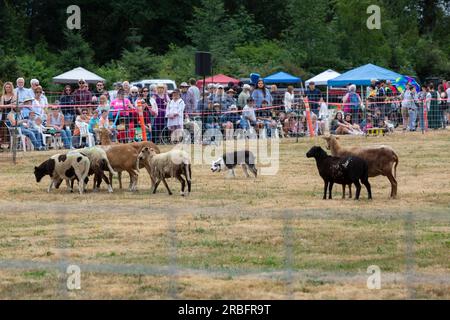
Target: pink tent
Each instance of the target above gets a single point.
(220, 78)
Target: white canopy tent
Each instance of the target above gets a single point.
(322, 79)
(76, 74)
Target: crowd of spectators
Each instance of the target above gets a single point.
(261, 108)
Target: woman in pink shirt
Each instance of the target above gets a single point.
(127, 117)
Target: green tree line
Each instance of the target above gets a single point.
(157, 39)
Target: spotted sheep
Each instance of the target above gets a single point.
(65, 167)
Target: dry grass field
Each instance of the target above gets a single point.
(269, 238)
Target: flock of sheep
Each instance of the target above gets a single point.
(346, 166)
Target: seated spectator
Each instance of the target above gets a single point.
(264, 118)
(94, 121)
(367, 123)
(248, 118)
(15, 118)
(323, 118)
(103, 104)
(213, 117)
(81, 123)
(315, 125)
(105, 124)
(340, 126)
(356, 129)
(295, 125)
(56, 121)
(230, 121)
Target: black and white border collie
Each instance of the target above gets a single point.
(246, 159)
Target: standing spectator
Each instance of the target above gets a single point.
(15, 118)
(66, 101)
(113, 93)
(443, 104)
(352, 102)
(99, 91)
(203, 103)
(150, 110)
(134, 95)
(126, 88)
(313, 95)
(261, 93)
(447, 92)
(40, 103)
(230, 100)
(194, 90)
(82, 96)
(188, 98)
(21, 92)
(211, 92)
(162, 100)
(243, 96)
(56, 121)
(220, 97)
(412, 109)
(34, 83)
(423, 98)
(289, 98)
(434, 117)
(8, 98)
(175, 113)
(277, 99)
(408, 97)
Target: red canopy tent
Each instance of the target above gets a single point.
(220, 78)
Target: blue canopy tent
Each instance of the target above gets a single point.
(282, 77)
(361, 76)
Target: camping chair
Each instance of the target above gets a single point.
(84, 133)
(22, 140)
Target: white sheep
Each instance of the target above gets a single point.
(172, 164)
(99, 163)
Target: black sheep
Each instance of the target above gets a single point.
(343, 171)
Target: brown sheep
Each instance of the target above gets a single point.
(124, 157)
(381, 159)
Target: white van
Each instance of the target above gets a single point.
(171, 85)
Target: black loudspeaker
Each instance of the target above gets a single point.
(203, 65)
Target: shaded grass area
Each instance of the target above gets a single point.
(238, 226)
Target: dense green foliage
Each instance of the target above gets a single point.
(142, 39)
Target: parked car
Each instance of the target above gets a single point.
(171, 85)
